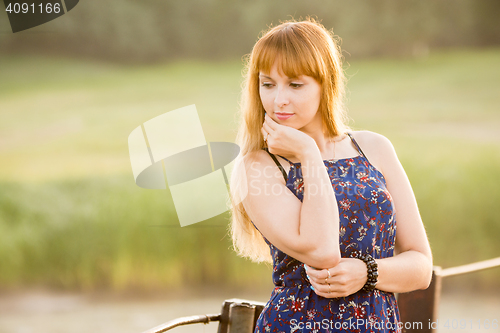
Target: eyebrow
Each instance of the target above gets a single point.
(268, 77)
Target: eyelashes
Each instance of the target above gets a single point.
(293, 85)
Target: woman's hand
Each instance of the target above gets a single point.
(285, 140)
(346, 278)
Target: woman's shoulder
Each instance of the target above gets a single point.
(371, 139)
(377, 148)
(257, 161)
(256, 156)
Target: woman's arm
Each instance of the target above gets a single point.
(411, 268)
(308, 230)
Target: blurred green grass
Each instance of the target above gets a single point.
(71, 216)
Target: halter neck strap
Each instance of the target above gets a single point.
(357, 146)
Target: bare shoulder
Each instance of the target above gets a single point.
(371, 139)
(254, 156)
(259, 164)
(377, 148)
(257, 158)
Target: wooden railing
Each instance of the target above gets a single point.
(237, 316)
(420, 306)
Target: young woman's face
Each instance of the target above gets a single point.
(289, 101)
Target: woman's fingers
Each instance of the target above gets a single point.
(270, 122)
(318, 274)
(322, 279)
(326, 291)
(264, 133)
(332, 289)
(267, 128)
(345, 278)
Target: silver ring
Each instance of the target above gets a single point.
(328, 270)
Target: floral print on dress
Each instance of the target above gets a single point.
(367, 225)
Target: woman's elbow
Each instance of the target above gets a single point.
(324, 259)
(332, 260)
(428, 274)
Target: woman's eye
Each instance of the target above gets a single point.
(296, 85)
(266, 85)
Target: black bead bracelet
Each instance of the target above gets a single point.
(372, 268)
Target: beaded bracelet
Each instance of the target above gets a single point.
(372, 268)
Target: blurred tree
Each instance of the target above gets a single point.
(149, 30)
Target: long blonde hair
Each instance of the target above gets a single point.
(300, 48)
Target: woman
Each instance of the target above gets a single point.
(321, 197)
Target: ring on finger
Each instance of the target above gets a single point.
(329, 276)
(329, 290)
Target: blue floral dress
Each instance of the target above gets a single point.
(367, 225)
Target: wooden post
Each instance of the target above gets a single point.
(239, 316)
(419, 309)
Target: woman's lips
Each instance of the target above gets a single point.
(283, 116)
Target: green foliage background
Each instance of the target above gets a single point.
(71, 216)
(424, 73)
(154, 30)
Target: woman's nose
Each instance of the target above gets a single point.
(281, 98)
